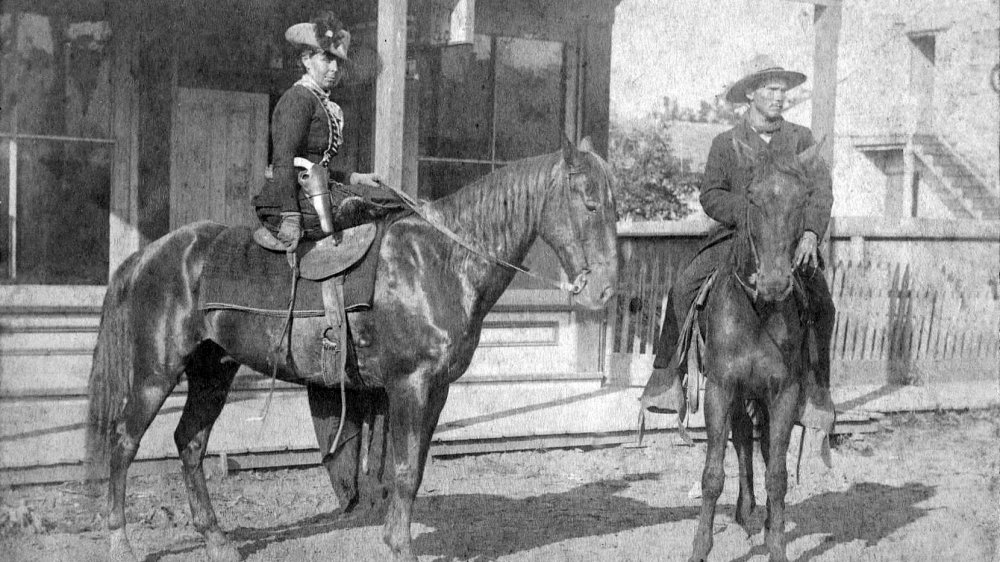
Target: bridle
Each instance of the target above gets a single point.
(750, 285)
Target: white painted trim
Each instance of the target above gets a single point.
(46, 298)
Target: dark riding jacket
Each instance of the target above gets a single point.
(724, 187)
(723, 196)
(300, 127)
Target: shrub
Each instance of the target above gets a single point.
(655, 184)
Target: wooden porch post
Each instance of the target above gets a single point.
(826, 20)
(390, 88)
(124, 237)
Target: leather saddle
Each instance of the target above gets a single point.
(326, 260)
(326, 257)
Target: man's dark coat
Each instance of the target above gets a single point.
(723, 189)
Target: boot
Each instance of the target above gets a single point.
(664, 393)
(819, 411)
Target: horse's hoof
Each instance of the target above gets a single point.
(222, 552)
(120, 550)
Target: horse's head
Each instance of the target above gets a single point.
(775, 218)
(578, 222)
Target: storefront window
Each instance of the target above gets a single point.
(55, 143)
(481, 106)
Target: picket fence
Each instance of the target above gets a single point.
(897, 323)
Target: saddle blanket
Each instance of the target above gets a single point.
(241, 275)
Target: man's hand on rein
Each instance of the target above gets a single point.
(807, 252)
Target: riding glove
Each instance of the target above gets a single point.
(290, 230)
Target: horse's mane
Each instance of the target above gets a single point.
(497, 210)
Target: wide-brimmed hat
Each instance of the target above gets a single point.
(756, 70)
(321, 34)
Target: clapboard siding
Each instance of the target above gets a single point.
(527, 378)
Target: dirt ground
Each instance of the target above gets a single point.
(924, 487)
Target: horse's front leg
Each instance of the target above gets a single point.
(783, 412)
(718, 401)
(414, 407)
(743, 443)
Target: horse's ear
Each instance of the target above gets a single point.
(812, 156)
(570, 153)
(746, 156)
(586, 145)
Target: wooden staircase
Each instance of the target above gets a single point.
(963, 189)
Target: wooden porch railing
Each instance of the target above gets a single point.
(901, 319)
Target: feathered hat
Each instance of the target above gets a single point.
(324, 32)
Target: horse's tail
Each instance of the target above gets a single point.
(111, 374)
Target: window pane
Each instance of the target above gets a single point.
(62, 214)
(55, 73)
(456, 101)
(529, 83)
(438, 179)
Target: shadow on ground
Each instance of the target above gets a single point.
(866, 511)
(477, 527)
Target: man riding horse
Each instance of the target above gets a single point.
(763, 87)
(307, 128)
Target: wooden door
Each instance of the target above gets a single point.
(218, 152)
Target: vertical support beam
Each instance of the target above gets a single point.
(593, 105)
(826, 21)
(124, 229)
(906, 191)
(411, 132)
(597, 80)
(12, 198)
(390, 88)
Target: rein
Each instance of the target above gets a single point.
(750, 285)
(420, 208)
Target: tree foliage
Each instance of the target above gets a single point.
(655, 184)
(715, 111)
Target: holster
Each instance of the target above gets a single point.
(314, 182)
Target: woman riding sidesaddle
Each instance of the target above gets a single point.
(307, 128)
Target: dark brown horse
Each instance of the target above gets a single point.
(755, 338)
(431, 296)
